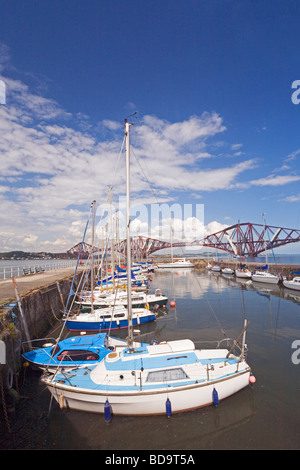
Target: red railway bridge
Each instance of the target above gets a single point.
(242, 239)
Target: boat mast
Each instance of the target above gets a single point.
(112, 258)
(129, 305)
(265, 244)
(92, 267)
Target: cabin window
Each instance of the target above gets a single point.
(119, 315)
(78, 355)
(166, 375)
(55, 350)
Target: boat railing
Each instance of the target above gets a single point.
(231, 343)
(7, 272)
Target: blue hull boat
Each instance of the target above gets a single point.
(113, 318)
(105, 326)
(72, 352)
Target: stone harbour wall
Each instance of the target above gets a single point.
(41, 308)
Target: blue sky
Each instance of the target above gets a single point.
(210, 83)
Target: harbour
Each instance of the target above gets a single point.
(149, 292)
(263, 416)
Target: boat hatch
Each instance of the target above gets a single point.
(166, 375)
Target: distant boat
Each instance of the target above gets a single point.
(293, 283)
(227, 271)
(216, 268)
(263, 274)
(179, 263)
(243, 273)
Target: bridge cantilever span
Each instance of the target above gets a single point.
(244, 239)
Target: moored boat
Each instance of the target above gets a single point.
(120, 298)
(75, 351)
(243, 273)
(104, 319)
(292, 283)
(154, 379)
(261, 276)
(179, 263)
(227, 271)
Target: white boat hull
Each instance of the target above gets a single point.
(243, 274)
(216, 269)
(227, 271)
(147, 403)
(171, 370)
(294, 284)
(176, 264)
(265, 277)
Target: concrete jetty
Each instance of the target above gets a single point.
(30, 282)
(42, 298)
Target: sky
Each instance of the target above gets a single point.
(211, 88)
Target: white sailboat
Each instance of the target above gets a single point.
(292, 283)
(227, 271)
(152, 379)
(263, 275)
(216, 268)
(178, 263)
(243, 272)
(118, 298)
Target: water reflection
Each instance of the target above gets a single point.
(200, 429)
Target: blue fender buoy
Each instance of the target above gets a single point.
(107, 412)
(215, 397)
(168, 408)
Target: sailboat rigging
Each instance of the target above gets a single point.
(263, 275)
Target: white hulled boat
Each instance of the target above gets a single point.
(292, 283)
(227, 271)
(179, 263)
(216, 268)
(155, 379)
(243, 273)
(261, 276)
(119, 298)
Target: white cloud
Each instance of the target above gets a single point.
(275, 180)
(52, 167)
(294, 198)
(292, 156)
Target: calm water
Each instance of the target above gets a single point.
(264, 417)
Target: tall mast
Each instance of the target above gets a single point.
(92, 267)
(112, 257)
(265, 245)
(129, 306)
